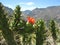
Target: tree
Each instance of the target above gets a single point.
(4, 26)
(53, 30)
(40, 37)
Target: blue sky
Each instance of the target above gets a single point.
(30, 4)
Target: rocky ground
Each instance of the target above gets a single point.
(49, 40)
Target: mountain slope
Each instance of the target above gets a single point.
(8, 10)
(52, 12)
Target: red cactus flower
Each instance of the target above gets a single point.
(31, 20)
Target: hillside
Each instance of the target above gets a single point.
(8, 10)
(52, 12)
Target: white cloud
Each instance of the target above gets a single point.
(27, 3)
(27, 8)
(30, 3)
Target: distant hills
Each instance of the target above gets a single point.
(52, 12)
(8, 10)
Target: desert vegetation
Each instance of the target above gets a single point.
(14, 30)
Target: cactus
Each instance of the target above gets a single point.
(53, 30)
(4, 26)
(40, 37)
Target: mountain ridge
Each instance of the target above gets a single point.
(41, 13)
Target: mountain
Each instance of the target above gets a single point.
(52, 12)
(27, 12)
(8, 10)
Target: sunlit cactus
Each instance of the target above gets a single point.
(40, 37)
(4, 26)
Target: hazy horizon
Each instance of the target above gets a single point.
(30, 4)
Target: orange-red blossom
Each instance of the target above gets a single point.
(31, 20)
